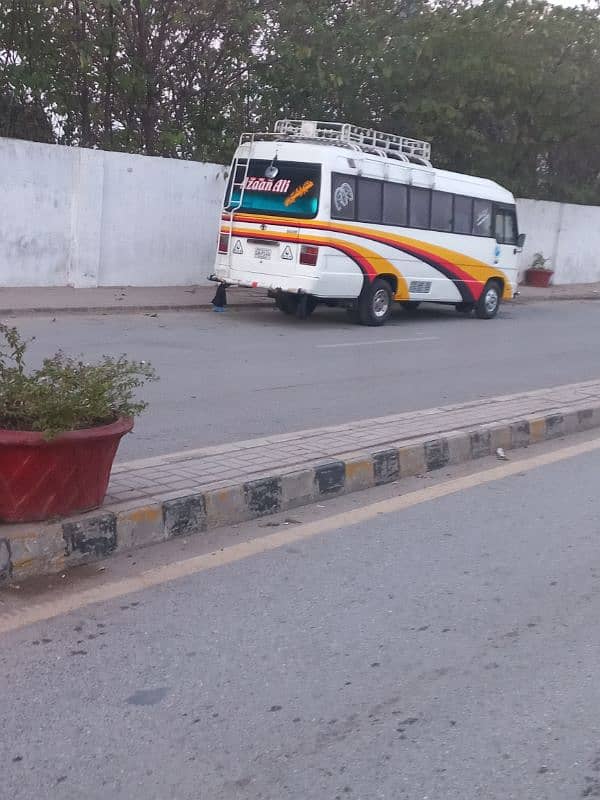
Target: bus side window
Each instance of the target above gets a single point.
(482, 218)
(343, 196)
(420, 207)
(441, 211)
(499, 226)
(510, 228)
(395, 204)
(369, 200)
(505, 226)
(463, 214)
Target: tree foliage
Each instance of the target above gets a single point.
(503, 88)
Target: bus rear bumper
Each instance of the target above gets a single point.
(273, 284)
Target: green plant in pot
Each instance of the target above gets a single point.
(60, 427)
(540, 272)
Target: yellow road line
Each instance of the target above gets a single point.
(47, 609)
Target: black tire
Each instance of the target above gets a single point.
(286, 302)
(306, 305)
(465, 308)
(375, 303)
(410, 305)
(488, 304)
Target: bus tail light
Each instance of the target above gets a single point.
(309, 255)
(224, 243)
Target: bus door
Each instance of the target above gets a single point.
(506, 235)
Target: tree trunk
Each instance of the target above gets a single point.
(83, 88)
(109, 72)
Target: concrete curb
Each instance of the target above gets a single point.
(44, 548)
(144, 309)
(526, 299)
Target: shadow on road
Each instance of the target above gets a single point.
(336, 317)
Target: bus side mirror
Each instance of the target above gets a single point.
(521, 241)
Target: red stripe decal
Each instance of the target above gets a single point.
(455, 273)
(365, 265)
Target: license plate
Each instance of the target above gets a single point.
(263, 253)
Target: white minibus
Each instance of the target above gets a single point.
(331, 213)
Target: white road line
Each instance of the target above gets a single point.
(377, 341)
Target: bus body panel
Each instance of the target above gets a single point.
(338, 276)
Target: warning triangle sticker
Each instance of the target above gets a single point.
(237, 247)
(287, 253)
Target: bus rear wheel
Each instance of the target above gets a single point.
(305, 306)
(375, 303)
(489, 302)
(299, 305)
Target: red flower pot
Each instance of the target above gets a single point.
(40, 479)
(538, 277)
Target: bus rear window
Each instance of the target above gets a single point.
(293, 192)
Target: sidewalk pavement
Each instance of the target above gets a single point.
(185, 493)
(568, 291)
(107, 299)
(110, 299)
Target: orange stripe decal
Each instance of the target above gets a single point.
(371, 264)
(469, 274)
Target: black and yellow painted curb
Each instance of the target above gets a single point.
(44, 548)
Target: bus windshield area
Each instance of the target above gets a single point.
(290, 190)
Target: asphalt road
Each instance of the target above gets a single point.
(449, 650)
(253, 372)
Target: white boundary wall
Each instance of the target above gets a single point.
(568, 235)
(77, 217)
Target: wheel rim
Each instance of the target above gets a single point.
(491, 300)
(381, 303)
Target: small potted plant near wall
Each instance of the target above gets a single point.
(60, 427)
(539, 273)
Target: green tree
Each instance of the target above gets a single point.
(503, 88)
(327, 63)
(26, 42)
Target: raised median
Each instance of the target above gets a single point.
(188, 493)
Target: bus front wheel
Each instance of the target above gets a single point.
(375, 303)
(489, 302)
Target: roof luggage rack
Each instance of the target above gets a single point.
(388, 145)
